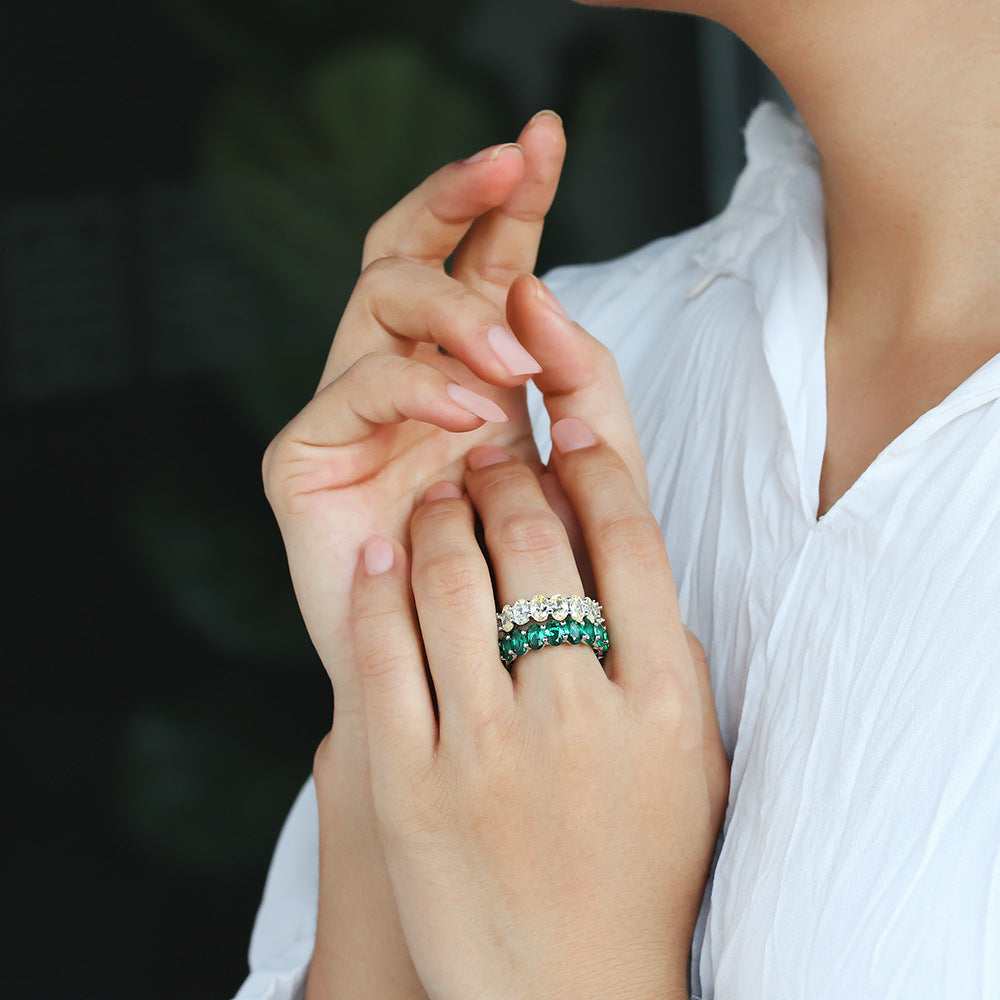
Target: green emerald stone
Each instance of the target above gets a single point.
(519, 643)
(574, 633)
(536, 636)
(554, 634)
(588, 631)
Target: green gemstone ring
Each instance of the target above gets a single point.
(537, 635)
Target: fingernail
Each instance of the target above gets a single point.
(487, 454)
(378, 555)
(478, 405)
(546, 113)
(491, 153)
(443, 491)
(512, 355)
(545, 294)
(570, 433)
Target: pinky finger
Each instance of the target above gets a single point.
(399, 711)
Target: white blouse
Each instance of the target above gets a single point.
(855, 658)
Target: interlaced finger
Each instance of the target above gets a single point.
(428, 223)
(398, 303)
(629, 560)
(529, 551)
(503, 243)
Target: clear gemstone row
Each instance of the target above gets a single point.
(541, 609)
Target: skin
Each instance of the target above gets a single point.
(903, 100)
(559, 820)
(380, 430)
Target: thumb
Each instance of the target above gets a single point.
(579, 376)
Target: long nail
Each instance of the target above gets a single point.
(379, 555)
(546, 113)
(492, 153)
(487, 454)
(442, 491)
(571, 433)
(544, 293)
(477, 405)
(511, 354)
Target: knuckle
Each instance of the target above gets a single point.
(374, 274)
(447, 575)
(431, 520)
(531, 532)
(324, 762)
(376, 237)
(635, 537)
(269, 464)
(602, 357)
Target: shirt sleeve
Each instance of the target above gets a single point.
(281, 944)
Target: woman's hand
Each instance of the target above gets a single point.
(548, 831)
(381, 427)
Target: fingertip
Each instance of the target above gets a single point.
(547, 297)
(485, 455)
(476, 404)
(572, 434)
(543, 117)
(379, 555)
(493, 153)
(443, 490)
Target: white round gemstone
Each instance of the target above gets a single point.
(558, 607)
(539, 608)
(576, 608)
(520, 612)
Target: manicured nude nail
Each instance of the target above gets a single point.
(546, 113)
(378, 555)
(491, 153)
(512, 355)
(443, 491)
(487, 454)
(569, 434)
(545, 294)
(478, 405)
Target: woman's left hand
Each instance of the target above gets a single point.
(548, 830)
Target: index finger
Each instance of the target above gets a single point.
(429, 222)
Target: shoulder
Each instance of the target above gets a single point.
(638, 294)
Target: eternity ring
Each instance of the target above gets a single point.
(541, 609)
(519, 641)
(550, 621)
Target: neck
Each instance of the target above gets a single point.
(903, 102)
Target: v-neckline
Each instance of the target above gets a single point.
(980, 386)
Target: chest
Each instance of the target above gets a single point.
(874, 394)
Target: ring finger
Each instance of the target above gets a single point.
(529, 551)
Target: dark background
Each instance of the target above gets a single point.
(185, 189)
